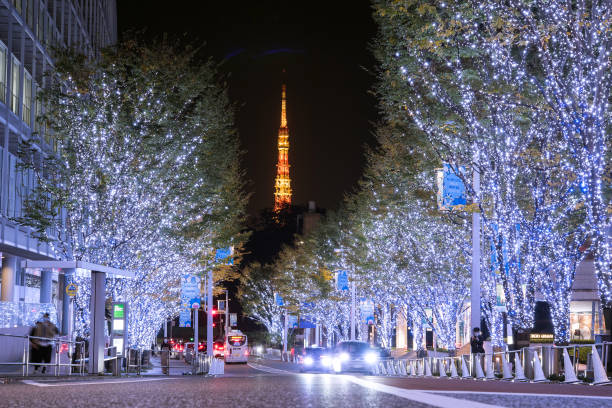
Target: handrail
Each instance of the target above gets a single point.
(56, 342)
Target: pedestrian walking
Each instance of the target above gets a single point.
(41, 342)
(165, 356)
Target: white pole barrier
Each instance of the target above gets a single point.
(421, 367)
(465, 373)
(519, 372)
(402, 368)
(412, 369)
(568, 369)
(383, 370)
(478, 364)
(442, 368)
(453, 368)
(506, 370)
(599, 372)
(489, 367)
(427, 368)
(538, 373)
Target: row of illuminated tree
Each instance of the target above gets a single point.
(145, 178)
(514, 93)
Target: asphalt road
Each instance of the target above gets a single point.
(276, 384)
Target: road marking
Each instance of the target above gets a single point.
(269, 369)
(520, 394)
(71, 383)
(419, 396)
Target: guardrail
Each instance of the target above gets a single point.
(59, 346)
(539, 363)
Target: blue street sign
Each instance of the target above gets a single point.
(452, 188)
(224, 256)
(306, 323)
(190, 291)
(342, 280)
(279, 300)
(292, 321)
(366, 310)
(185, 318)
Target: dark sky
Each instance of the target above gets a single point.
(323, 46)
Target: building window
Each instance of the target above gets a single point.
(15, 85)
(3, 60)
(27, 99)
(29, 13)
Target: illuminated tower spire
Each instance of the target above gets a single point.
(282, 185)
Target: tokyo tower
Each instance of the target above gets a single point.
(282, 185)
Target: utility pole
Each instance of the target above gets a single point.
(196, 337)
(475, 288)
(285, 335)
(353, 310)
(209, 313)
(226, 313)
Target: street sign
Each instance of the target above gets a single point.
(221, 305)
(233, 319)
(342, 280)
(292, 321)
(224, 255)
(190, 291)
(451, 190)
(72, 289)
(119, 327)
(185, 318)
(366, 310)
(279, 300)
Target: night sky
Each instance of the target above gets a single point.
(323, 46)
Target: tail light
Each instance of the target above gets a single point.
(246, 353)
(201, 347)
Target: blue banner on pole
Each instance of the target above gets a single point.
(185, 318)
(451, 189)
(279, 300)
(190, 291)
(342, 280)
(306, 323)
(366, 310)
(224, 256)
(292, 321)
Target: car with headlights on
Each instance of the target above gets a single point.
(314, 358)
(354, 356)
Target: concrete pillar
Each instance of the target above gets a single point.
(96, 322)
(46, 283)
(9, 274)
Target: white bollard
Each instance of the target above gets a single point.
(506, 370)
(375, 370)
(383, 370)
(479, 372)
(453, 369)
(442, 368)
(412, 369)
(427, 368)
(402, 368)
(538, 373)
(568, 369)
(519, 372)
(599, 372)
(489, 367)
(390, 368)
(465, 373)
(421, 366)
(221, 368)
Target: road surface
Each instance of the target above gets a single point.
(265, 383)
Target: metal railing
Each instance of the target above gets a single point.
(59, 346)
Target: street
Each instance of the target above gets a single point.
(267, 383)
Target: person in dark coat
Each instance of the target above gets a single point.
(42, 344)
(477, 341)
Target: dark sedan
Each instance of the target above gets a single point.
(354, 356)
(314, 358)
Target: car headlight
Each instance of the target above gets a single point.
(371, 358)
(308, 361)
(344, 357)
(326, 361)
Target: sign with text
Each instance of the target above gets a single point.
(278, 299)
(451, 190)
(224, 255)
(342, 282)
(233, 319)
(190, 291)
(366, 311)
(185, 318)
